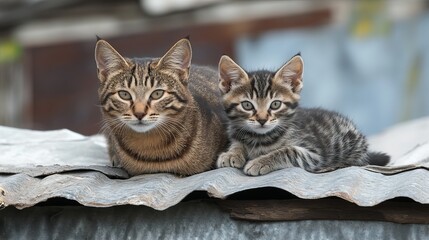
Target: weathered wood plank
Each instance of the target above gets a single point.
(325, 209)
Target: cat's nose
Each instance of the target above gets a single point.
(139, 115)
(262, 121)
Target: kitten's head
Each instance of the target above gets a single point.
(260, 101)
(143, 93)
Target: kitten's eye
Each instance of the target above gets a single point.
(247, 105)
(124, 95)
(157, 94)
(276, 105)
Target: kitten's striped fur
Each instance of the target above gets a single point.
(269, 132)
(160, 114)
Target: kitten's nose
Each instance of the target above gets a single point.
(262, 121)
(139, 115)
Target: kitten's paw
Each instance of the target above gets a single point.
(257, 167)
(229, 159)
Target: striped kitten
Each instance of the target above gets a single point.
(269, 132)
(160, 114)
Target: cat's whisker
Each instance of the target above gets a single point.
(109, 124)
(161, 130)
(165, 127)
(117, 126)
(178, 126)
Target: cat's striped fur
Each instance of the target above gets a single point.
(160, 114)
(269, 131)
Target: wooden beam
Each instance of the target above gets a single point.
(325, 209)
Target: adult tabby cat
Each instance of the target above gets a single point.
(269, 132)
(160, 114)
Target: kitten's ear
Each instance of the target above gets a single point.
(178, 59)
(291, 74)
(230, 74)
(108, 59)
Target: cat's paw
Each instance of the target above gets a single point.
(257, 167)
(230, 159)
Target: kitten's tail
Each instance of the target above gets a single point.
(378, 158)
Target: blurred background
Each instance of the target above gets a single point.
(367, 59)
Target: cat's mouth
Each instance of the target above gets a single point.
(142, 122)
(262, 129)
(142, 126)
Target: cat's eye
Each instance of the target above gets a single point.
(157, 94)
(276, 105)
(247, 105)
(124, 95)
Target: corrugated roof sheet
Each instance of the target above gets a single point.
(37, 166)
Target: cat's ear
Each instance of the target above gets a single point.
(178, 59)
(291, 74)
(107, 59)
(231, 75)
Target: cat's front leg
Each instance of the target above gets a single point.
(113, 155)
(291, 156)
(234, 157)
(114, 158)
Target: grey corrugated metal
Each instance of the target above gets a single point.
(161, 191)
(41, 153)
(36, 156)
(189, 220)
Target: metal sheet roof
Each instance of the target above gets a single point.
(37, 166)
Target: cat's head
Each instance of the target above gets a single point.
(260, 101)
(143, 93)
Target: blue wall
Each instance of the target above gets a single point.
(377, 79)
